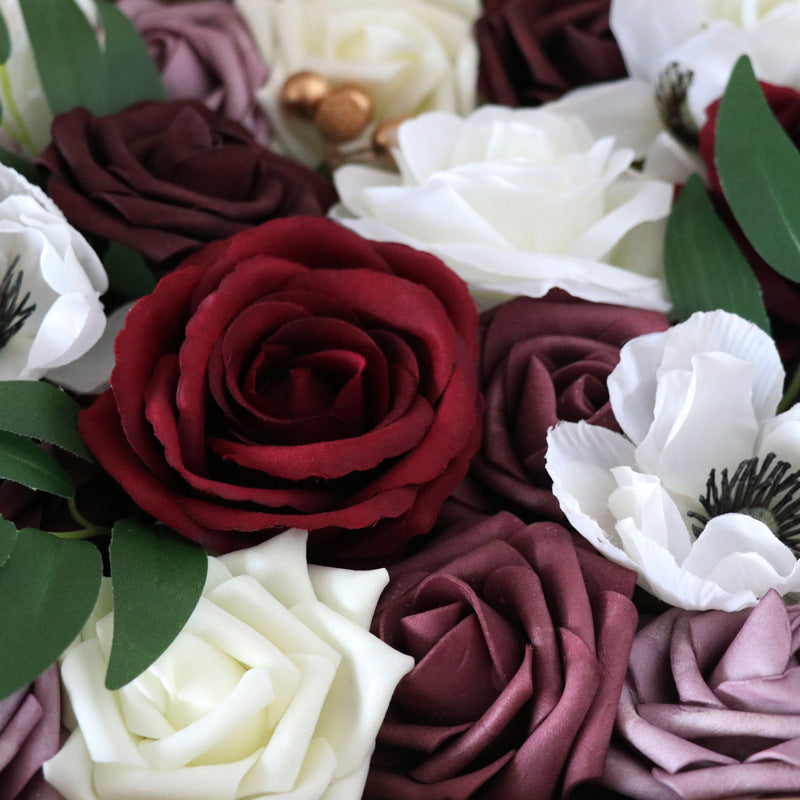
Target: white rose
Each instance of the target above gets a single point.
(518, 201)
(408, 56)
(61, 280)
(275, 687)
(707, 37)
(699, 496)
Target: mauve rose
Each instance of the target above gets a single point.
(533, 51)
(167, 178)
(541, 361)
(205, 51)
(711, 706)
(521, 642)
(781, 296)
(30, 733)
(295, 375)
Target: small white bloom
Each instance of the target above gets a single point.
(275, 687)
(408, 56)
(62, 276)
(696, 403)
(707, 37)
(518, 201)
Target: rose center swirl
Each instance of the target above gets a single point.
(763, 488)
(14, 312)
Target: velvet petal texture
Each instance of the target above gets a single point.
(521, 642)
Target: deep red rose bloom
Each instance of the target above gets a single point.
(541, 361)
(167, 178)
(781, 296)
(533, 51)
(295, 375)
(521, 643)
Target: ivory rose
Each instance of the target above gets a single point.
(275, 685)
(518, 201)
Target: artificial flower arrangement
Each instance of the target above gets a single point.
(394, 400)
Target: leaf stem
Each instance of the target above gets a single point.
(86, 532)
(22, 135)
(790, 395)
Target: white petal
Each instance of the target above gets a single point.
(353, 593)
(781, 435)
(70, 770)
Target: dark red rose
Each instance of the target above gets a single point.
(533, 51)
(295, 375)
(542, 361)
(167, 178)
(521, 642)
(781, 296)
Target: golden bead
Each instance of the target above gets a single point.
(343, 114)
(384, 137)
(303, 92)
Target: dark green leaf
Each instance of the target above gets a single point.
(704, 266)
(24, 462)
(23, 166)
(8, 538)
(157, 577)
(5, 41)
(48, 588)
(132, 75)
(759, 169)
(129, 277)
(67, 55)
(41, 411)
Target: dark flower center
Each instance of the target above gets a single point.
(764, 489)
(13, 312)
(672, 89)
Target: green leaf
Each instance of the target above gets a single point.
(68, 57)
(24, 462)
(705, 269)
(131, 73)
(759, 169)
(23, 166)
(129, 277)
(48, 588)
(8, 538)
(5, 41)
(157, 578)
(42, 411)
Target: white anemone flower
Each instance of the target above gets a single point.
(701, 495)
(50, 309)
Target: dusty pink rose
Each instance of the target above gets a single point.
(521, 644)
(30, 731)
(205, 51)
(711, 706)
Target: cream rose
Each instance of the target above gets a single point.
(274, 686)
(60, 283)
(518, 201)
(408, 57)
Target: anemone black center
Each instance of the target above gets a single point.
(764, 489)
(672, 89)
(14, 311)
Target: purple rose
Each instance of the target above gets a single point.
(30, 733)
(711, 706)
(205, 51)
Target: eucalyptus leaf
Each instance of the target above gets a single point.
(759, 169)
(705, 269)
(48, 588)
(5, 41)
(129, 277)
(42, 411)
(67, 53)
(22, 461)
(157, 578)
(131, 73)
(8, 538)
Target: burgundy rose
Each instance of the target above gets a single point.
(781, 296)
(167, 178)
(205, 51)
(533, 51)
(542, 361)
(711, 708)
(521, 642)
(295, 375)
(30, 734)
